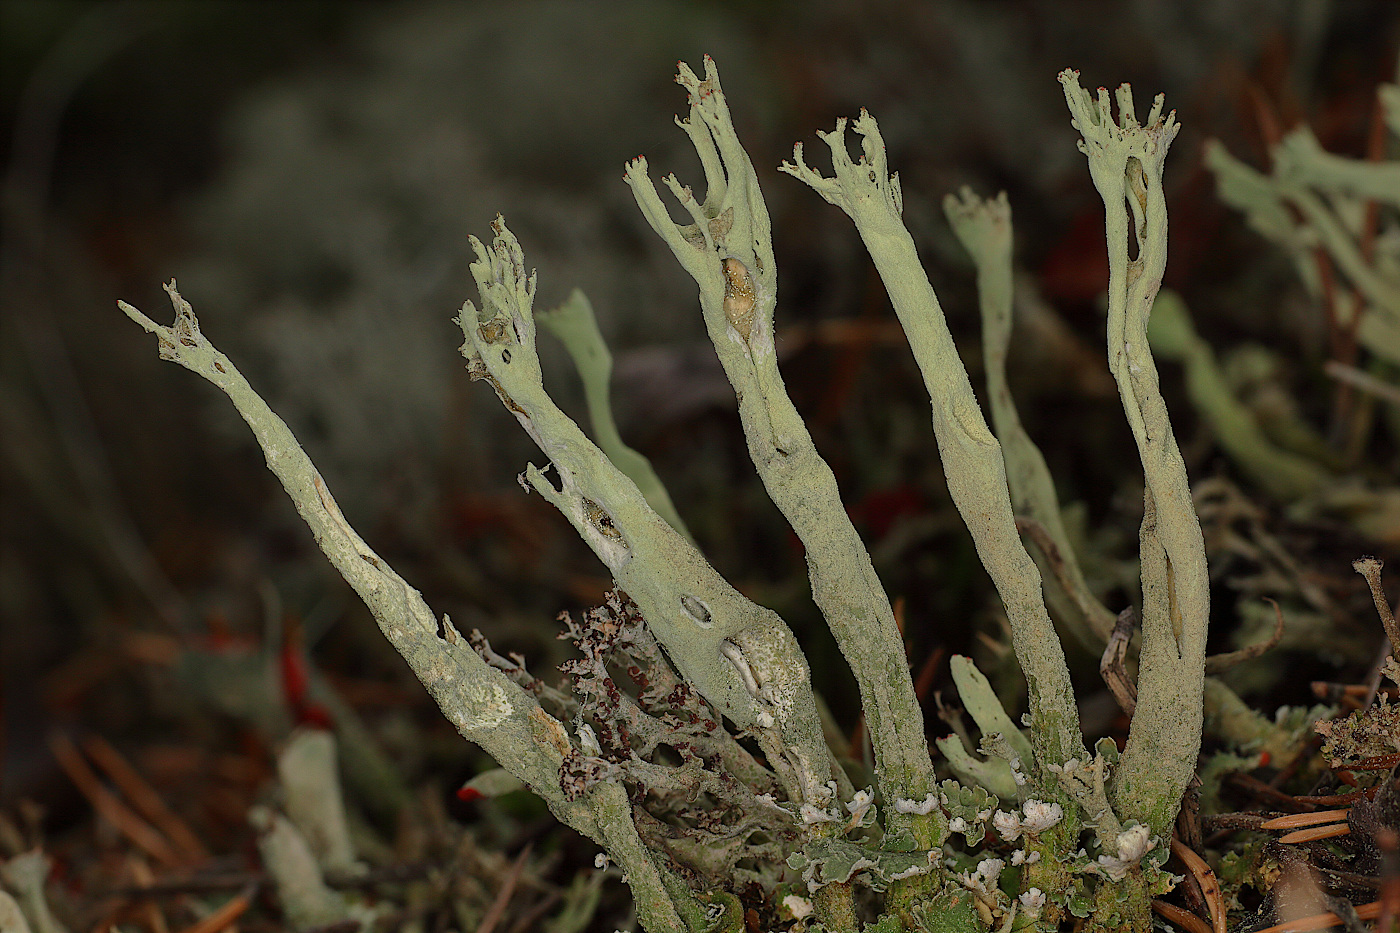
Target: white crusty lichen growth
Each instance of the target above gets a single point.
(1125, 162)
(1128, 849)
(727, 248)
(739, 655)
(972, 457)
(484, 705)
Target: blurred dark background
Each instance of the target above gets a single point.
(310, 171)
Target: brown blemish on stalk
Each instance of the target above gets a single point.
(739, 296)
(492, 331)
(477, 371)
(546, 729)
(600, 519)
(721, 225)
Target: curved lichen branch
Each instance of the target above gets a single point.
(1125, 161)
(972, 457)
(484, 705)
(1370, 568)
(740, 656)
(727, 249)
(857, 186)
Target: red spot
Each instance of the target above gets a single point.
(881, 509)
(1264, 759)
(296, 679)
(468, 794)
(1076, 267)
(292, 662)
(317, 717)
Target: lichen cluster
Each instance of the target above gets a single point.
(687, 739)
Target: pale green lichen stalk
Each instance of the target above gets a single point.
(727, 248)
(575, 325)
(972, 458)
(1125, 162)
(739, 655)
(1001, 776)
(984, 228)
(1315, 201)
(1283, 474)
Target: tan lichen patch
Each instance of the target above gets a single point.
(739, 296)
(546, 729)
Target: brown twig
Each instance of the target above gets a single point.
(1370, 568)
(1231, 821)
(141, 874)
(1299, 820)
(924, 682)
(126, 820)
(1181, 917)
(1348, 697)
(1322, 921)
(1378, 763)
(1310, 827)
(145, 798)
(1113, 665)
(225, 916)
(498, 907)
(1094, 613)
(1258, 788)
(1316, 833)
(1218, 664)
(1388, 841)
(1335, 798)
(1362, 380)
(1205, 877)
(530, 920)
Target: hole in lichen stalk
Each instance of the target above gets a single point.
(557, 481)
(491, 331)
(600, 519)
(697, 610)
